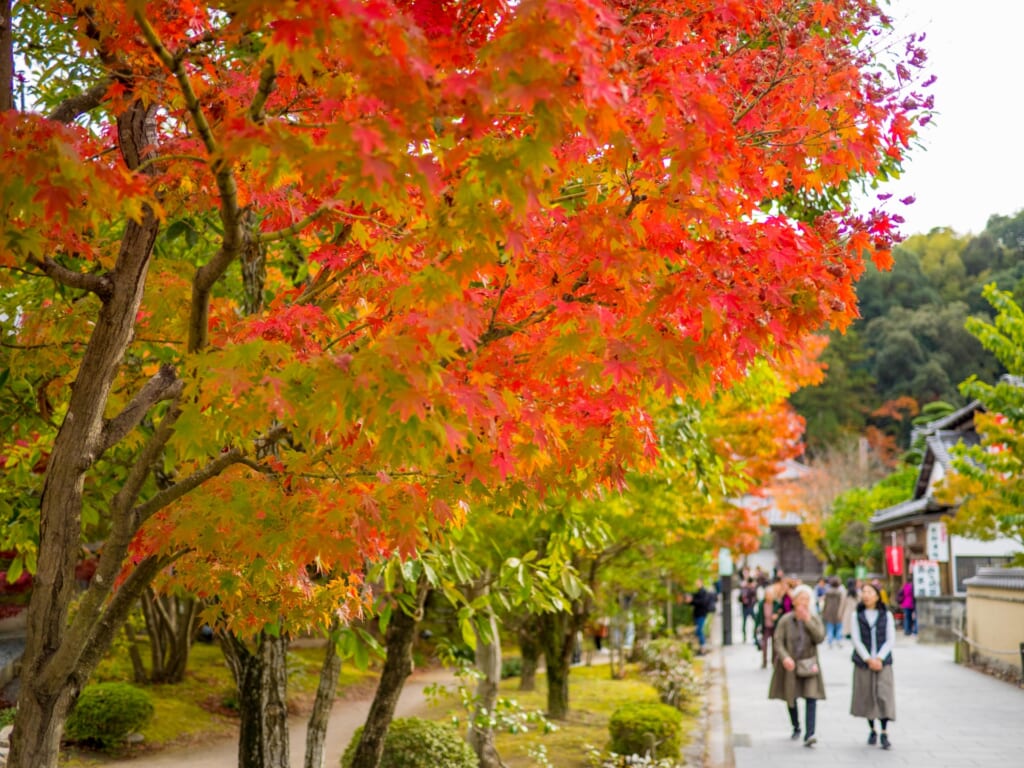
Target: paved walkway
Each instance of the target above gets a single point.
(346, 716)
(948, 716)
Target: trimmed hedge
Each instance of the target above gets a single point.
(416, 743)
(107, 713)
(636, 727)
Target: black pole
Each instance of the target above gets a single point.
(727, 610)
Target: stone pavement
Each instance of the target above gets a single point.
(948, 716)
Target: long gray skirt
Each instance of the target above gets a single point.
(874, 694)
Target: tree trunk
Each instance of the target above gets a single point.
(556, 636)
(171, 625)
(6, 57)
(59, 658)
(398, 641)
(488, 662)
(316, 730)
(139, 673)
(262, 679)
(529, 652)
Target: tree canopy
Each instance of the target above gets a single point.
(288, 287)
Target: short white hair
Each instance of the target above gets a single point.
(802, 589)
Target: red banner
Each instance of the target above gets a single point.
(894, 560)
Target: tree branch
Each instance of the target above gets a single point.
(266, 87)
(71, 108)
(165, 385)
(230, 213)
(100, 284)
(169, 495)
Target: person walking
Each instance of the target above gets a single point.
(797, 670)
(832, 612)
(703, 602)
(748, 603)
(874, 691)
(769, 611)
(849, 610)
(909, 608)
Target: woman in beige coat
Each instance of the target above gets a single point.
(797, 671)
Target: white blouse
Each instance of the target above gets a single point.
(871, 616)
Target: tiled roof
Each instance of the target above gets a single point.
(1004, 578)
(904, 511)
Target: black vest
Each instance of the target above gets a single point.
(865, 635)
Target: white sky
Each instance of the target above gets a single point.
(972, 164)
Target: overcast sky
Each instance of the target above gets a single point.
(972, 164)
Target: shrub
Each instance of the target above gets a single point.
(512, 667)
(416, 743)
(640, 727)
(107, 713)
(7, 716)
(667, 665)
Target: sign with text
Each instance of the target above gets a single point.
(926, 578)
(938, 543)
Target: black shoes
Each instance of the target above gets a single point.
(795, 735)
(811, 740)
(872, 739)
(885, 741)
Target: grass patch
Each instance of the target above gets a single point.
(593, 696)
(199, 709)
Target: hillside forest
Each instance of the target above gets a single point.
(909, 347)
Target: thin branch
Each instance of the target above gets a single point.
(174, 65)
(169, 495)
(228, 458)
(230, 213)
(169, 158)
(294, 229)
(165, 385)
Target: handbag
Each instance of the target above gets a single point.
(806, 667)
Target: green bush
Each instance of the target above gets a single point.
(512, 667)
(639, 727)
(416, 743)
(107, 713)
(7, 716)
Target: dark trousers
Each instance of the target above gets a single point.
(766, 638)
(748, 613)
(810, 710)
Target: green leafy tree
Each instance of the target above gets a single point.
(989, 482)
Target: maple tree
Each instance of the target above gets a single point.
(292, 284)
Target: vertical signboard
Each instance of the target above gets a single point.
(938, 543)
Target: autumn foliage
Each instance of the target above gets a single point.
(396, 255)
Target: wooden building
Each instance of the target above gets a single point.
(915, 538)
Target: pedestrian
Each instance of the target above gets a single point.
(909, 608)
(832, 612)
(797, 669)
(874, 692)
(819, 594)
(850, 607)
(703, 603)
(770, 610)
(748, 604)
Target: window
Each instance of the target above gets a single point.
(968, 566)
